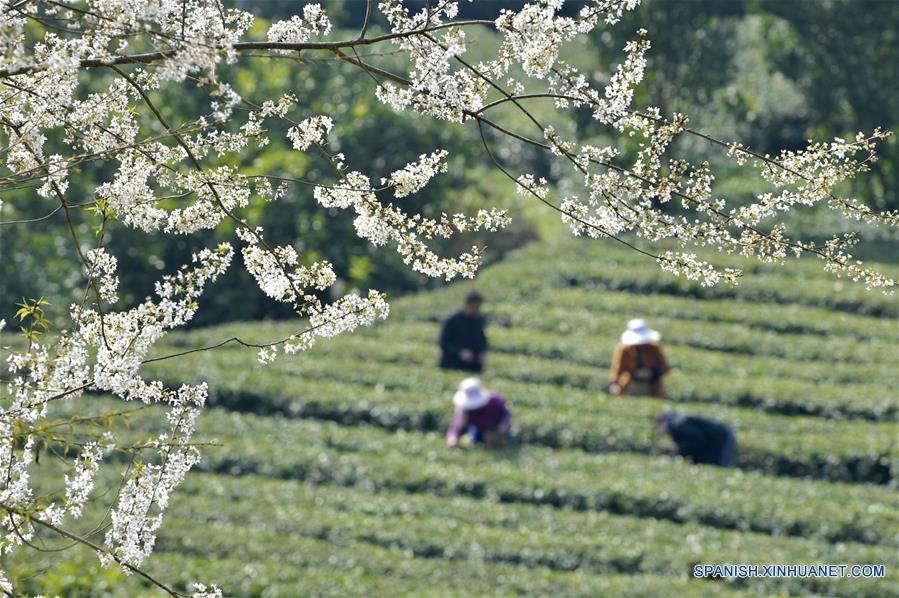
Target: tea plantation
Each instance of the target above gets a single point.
(329, 474)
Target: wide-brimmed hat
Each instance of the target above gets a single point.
(471, 395)
(639, 333)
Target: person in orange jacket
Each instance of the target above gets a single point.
(639, 363)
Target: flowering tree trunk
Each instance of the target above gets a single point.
(54, 120)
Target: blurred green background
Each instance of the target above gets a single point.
(766, 73)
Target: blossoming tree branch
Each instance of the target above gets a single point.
(79, 86)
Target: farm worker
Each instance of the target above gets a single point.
(480, 413)
(639, 363)
(463, 343)
(699, 439)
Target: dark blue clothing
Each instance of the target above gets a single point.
(476, 435)
(703, 440)
(462, 332)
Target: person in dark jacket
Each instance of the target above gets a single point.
(699, 439)
(463, 343)
(480, 413)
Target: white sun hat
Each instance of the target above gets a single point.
(471, 395)
(639, 333)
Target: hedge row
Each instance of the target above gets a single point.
(601, 331)
(566, 307)
(580, 346)
(465, 529)
(398, 397)
(271, 560)
(655, 487)
(640, 485)
(600, 266)
(266, 521)
(697, 376)
(772, 384)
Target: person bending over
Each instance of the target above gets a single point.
(699, 439)
(480, 413)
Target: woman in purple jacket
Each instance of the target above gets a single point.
(480, 413)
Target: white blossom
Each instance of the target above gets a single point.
(314, 22)
(202, 591)
(103, 268)
(415, 175)
(311, 130)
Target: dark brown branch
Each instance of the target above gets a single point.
(209, 185)
(250, 345)
(150, 57)
(97, 548)
(554, 206)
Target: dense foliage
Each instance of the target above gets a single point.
(770, 74)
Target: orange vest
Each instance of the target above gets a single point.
(640, 362)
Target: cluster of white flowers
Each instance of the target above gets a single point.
(526, 184)
(381, 223)
(534, 35)
(52, 122)
(279, 274)
(309, 131)
(119, 341)
(314, 22)
(81, 483)
(434, 87)
(415, 175)
(202, 591)
(344, 315)
(103, 268)
(693, 268)
(142, 500)
(614, 107)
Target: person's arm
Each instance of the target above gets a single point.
(505, 419)
(479, 343)
(482, 337)
(615, 369)
(619, 373)
(506, 422)
(448, 338)
(457, 427)
(663, 362)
